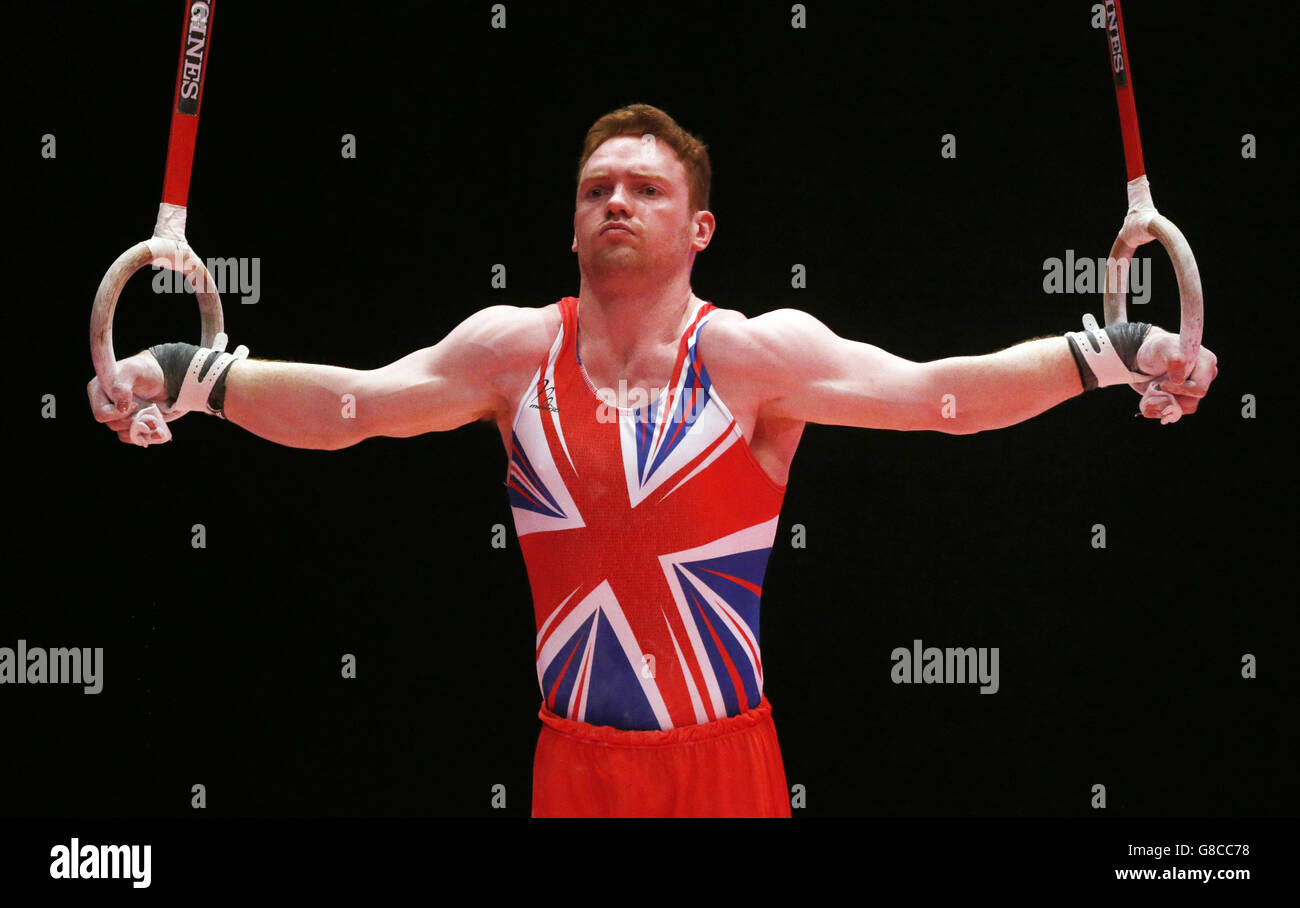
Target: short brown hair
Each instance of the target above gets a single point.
(640, 119)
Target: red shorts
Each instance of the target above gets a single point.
(728, 768)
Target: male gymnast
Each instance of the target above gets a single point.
(647, 514)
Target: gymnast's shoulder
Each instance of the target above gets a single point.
(514, 333)
(735, 342)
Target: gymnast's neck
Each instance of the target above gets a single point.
(623, 316)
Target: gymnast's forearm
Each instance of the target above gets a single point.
(301, 405)
(1004, 388)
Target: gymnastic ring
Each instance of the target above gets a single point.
(1142, 227)
(166, 253)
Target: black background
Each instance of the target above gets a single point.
(222, 665)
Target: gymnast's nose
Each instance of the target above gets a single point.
(620, 201)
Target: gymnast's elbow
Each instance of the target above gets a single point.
(960, 427)
(336, 442)
(310, 440)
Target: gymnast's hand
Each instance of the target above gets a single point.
(137, 382)
(1160, 356)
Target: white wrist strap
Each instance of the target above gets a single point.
(1100, 356)
(1109, 370)
(194, 392)
(149, 425)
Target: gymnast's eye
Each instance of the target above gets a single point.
(653, 190)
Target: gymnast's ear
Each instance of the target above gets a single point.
(575, 243)
(705, 225)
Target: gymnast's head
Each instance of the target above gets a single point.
(643, 193)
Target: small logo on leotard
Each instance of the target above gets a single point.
(548, 388)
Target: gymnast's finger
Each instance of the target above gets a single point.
(1188, 390)
(104, 408)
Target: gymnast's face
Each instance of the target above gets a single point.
(633, 213)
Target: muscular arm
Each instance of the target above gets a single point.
(804, 371)
(454, 382)
(1004, 388)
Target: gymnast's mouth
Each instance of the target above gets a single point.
(615, 225)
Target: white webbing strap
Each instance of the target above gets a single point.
(149, 425)
(1102, 358)
(194, 392)
(1110, 370)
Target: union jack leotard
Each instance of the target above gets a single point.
(646, 533)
